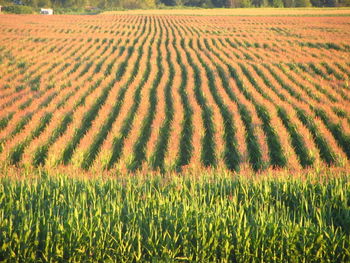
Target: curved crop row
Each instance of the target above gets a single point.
(208, 157)
(157, 159)
(231, 154)
(118, 142)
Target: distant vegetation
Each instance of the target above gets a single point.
(91, 6)
(18, 9)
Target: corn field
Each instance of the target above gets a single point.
(125, 93)
(158, 138)
(178, 219)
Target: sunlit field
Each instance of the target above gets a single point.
(175, 135)
(324, 11)
(163, 93)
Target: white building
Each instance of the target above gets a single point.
(46, 11)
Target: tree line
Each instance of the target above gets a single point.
(134, 4)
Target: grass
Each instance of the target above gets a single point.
(213, 218)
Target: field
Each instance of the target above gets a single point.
(313, 11)
(212, 218)
(128, 93)
(205, 138)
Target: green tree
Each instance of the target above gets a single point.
(169, 2)
(245, 3)
(44, 3)
(260, 3)
(33, 3)
(232, 3)
(276, 3)
(331, 3)
(288, 3)
(150, 3)
(302, 3)
(218, 3)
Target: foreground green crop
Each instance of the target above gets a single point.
(184, 219)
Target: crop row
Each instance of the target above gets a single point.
(110, 100)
